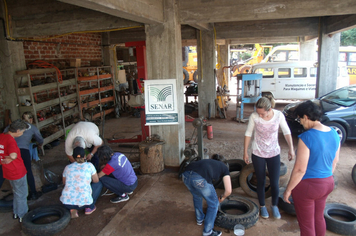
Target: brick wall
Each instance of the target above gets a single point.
(59, 51)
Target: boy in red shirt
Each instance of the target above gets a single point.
(13, 167)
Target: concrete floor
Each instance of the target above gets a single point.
(161, 204)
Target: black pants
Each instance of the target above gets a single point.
(273, 166)
(25, 154)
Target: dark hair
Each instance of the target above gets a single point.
(218, 157)
(221, 158)
(18, 125)
(310, 109)
(105, 152)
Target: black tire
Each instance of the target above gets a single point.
(30, 227)
(184, 165)
(235, 166)
(6, 203)
(196, 76)
(339, 129)
(185, 76)
(282, 170)
(247, 218)
(249, 188)
(286, 207)
(336, 182)
(353, 174)
(345, 224)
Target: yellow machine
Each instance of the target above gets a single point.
(257, 57)
(190, 64)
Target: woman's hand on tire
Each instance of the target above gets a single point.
(286, 196)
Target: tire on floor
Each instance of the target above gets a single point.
(284, 206)
(353, 174)
(184, 165)
(345, 223)
(236, 210)
(249, 184)
(235, 167)
(33, 222)
(6, 203)
(283, 169)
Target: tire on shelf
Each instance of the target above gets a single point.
(235, 166)
(246, 175)
(228, 219)
(345, 223)
(30, 224)
(185, 76)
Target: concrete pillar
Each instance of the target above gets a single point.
(328, 54)
(164, 61)
(308, 50)
(12, 60)
(206, 68)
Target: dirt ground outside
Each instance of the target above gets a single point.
(164, 211)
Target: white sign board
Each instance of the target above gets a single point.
(161, 102)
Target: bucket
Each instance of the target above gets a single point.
(239, 230)
(209, 130)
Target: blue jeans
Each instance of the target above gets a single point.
(96, 190)
(20, 190)
(116, 186)
(200, 189)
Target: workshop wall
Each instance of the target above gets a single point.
(59, 51)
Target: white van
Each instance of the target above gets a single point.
(292, 80)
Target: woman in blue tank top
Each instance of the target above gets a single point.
(312, 179)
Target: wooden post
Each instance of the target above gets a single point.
(151, 157)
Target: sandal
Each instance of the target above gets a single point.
(74, 213)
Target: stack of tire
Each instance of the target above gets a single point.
(248, 180)
(240, 210)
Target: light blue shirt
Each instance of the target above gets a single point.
(23, 142)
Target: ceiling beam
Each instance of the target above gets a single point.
(267, 28)
(29, 19)
(337, 24)
(81, 20)
(265, 40)
(212, 11)
(143, 11)
(201, 26)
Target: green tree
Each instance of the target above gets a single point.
(348, 38)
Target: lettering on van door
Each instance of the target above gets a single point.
(299, 87)
(295, 89)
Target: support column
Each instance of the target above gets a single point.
(164, 61)
(328, 54)
(308, 50)
(12, 60)
(206, 68)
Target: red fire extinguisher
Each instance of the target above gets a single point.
(209, 131)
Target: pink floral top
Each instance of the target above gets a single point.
(265, 143)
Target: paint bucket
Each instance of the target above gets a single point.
(209, 131)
